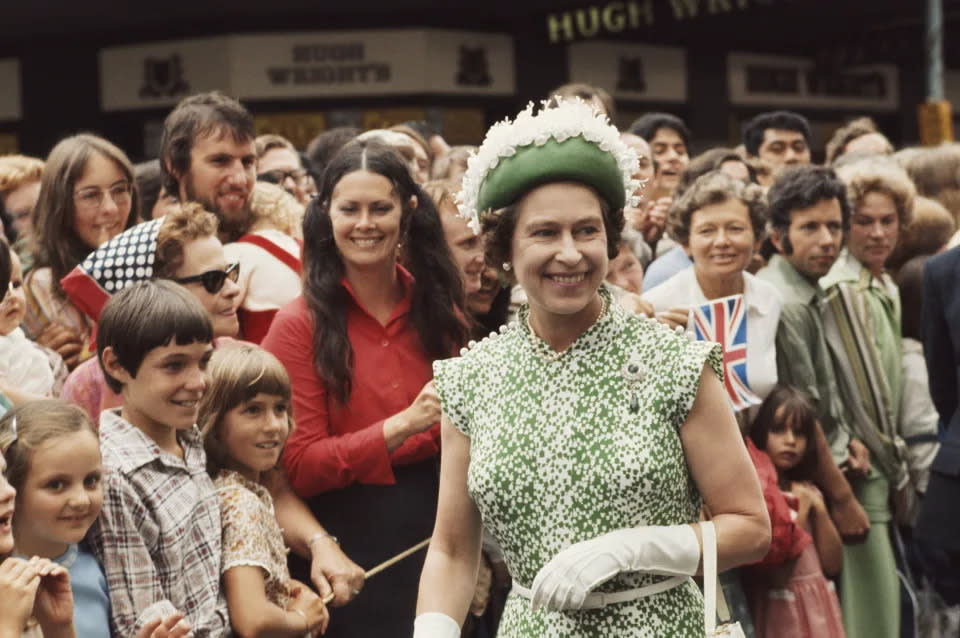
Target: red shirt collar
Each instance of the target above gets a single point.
(402, 308)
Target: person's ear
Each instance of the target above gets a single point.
(113, 367)
(414, 202)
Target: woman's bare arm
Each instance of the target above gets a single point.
(722, 471)
(450, 571)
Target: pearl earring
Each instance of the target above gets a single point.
(506, 266)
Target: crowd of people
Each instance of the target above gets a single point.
(239, 376)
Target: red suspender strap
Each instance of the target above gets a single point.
(294, 263)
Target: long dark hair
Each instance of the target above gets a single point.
(801, 415)
(436, 308)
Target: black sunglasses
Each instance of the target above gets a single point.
(213, 280)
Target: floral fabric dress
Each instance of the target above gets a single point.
(251, 534)
(566, 448)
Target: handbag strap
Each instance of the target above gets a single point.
(708, 539)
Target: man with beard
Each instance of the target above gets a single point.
(208, 155)
(808, 213)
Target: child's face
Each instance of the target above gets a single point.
(254, 432)
(61, 495)
(14, 305)
(785, 445)
(167, 389)
(7, 499)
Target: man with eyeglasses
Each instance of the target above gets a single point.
(19, 189)
(279, 163)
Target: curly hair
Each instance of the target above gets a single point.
(179, 228)
(716, 187)
(837, 145)
(879, 175)
(273, 207)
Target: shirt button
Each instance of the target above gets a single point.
(384, 343)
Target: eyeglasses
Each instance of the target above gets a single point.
(93, 197)
(213, 280)
(279, 176)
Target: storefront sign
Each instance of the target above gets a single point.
(10, 107)
(764, 80)
(631, 71)
(160, 74)
(309, 64)
(629, 15)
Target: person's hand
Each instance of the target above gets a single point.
(481, 593)
(53, 605)
(637, 305)
(656, 219)
(19, 581)
(425, 411)
(804, 498)
(859, 460)
(67, 343)
(850, 518)
(173, 626)
(674, 317)
(332, 572)
(306, 601)
(569, 577)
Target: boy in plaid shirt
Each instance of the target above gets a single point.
(158, 536)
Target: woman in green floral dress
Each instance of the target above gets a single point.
(581, 436)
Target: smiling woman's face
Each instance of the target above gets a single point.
(365, 212)
(559, 247)
(721, 239)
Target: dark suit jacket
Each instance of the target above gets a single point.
(939, 519)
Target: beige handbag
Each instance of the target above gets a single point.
(713, 599)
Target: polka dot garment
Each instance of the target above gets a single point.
(122, 261)
(565, 449)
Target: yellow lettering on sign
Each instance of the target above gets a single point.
(560, 26)
(638, 11)
(717, 6)
(614, 17)
(683, 9)
(588, 29)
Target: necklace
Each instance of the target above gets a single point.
(553, 355)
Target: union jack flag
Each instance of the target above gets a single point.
(725, 322)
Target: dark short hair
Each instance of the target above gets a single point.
(647, 125)
(196, 116)
(787, 120)
(498, 228)
(707, 162)
(323, 147)
(149, 180)
(145, 316)
(799, 188)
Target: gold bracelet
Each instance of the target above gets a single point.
(306, 625)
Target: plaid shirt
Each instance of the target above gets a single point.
(158, 535)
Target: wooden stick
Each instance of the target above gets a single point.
(387, 563)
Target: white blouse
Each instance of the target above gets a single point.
(764, 303)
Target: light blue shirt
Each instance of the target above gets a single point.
(665, 267)
(91, 598)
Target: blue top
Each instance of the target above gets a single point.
(665, 267)
(91, 598)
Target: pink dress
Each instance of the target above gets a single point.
(806, 607)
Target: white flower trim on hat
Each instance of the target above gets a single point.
(569, 119)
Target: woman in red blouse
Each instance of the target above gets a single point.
(358, 346)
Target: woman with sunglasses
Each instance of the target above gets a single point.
(87, 196)
(358, 346)
(182, 247)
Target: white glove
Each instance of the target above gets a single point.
(565, 581)
(433, 624)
